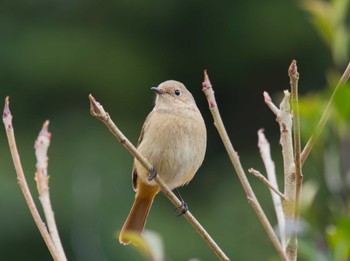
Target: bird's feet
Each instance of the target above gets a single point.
(152, 174)
(179, 211)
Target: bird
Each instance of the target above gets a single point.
(173, 139)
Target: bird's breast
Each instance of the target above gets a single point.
(175, 144)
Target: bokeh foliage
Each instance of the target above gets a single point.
(330, 235)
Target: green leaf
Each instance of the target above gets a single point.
(338, 237)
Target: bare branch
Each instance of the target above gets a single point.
(264, 180)
(7, 119)
(324, 118)
(284, 118)
(209, 93)
(97, 111)
(42, 179)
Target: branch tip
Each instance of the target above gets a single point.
(95, 106)
(268, 101)
(261, 138)
(46, 124)
(293, 70)
(208, 90)
(261, 131)
(6, 115)
(6, 107)
(41, 146)
(45, 130)
(206, 83)
(254, 172)
(267, 97)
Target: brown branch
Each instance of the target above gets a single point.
(7, 119)
(324, 118)
(233, 155)
(97, 111)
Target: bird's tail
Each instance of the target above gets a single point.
(139, 212)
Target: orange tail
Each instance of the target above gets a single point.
(139, 212)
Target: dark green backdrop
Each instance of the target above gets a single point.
(53, 54)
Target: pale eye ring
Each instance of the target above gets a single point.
(177, 92)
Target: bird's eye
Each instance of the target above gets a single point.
(177, 92)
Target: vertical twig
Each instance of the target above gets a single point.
(265, 153)
(7, 119)
(209, 93)
(294, 78)
(97, 111)
(42, 179)
(324, 118)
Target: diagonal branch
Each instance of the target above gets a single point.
(324, 118)
(209, 93)
(97, 111)
(264, 180)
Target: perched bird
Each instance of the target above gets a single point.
(173, 139)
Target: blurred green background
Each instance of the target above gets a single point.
(53, 54)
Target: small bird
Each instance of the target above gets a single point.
(173, 139)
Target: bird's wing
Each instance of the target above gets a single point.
(134, 171)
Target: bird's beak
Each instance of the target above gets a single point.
(157, 90)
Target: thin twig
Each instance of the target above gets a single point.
(264, 180)
(324, 118)
(97, 111)
(294, 78)
(42, 179)
(265, 153)
(209, 93)
(7, 119)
